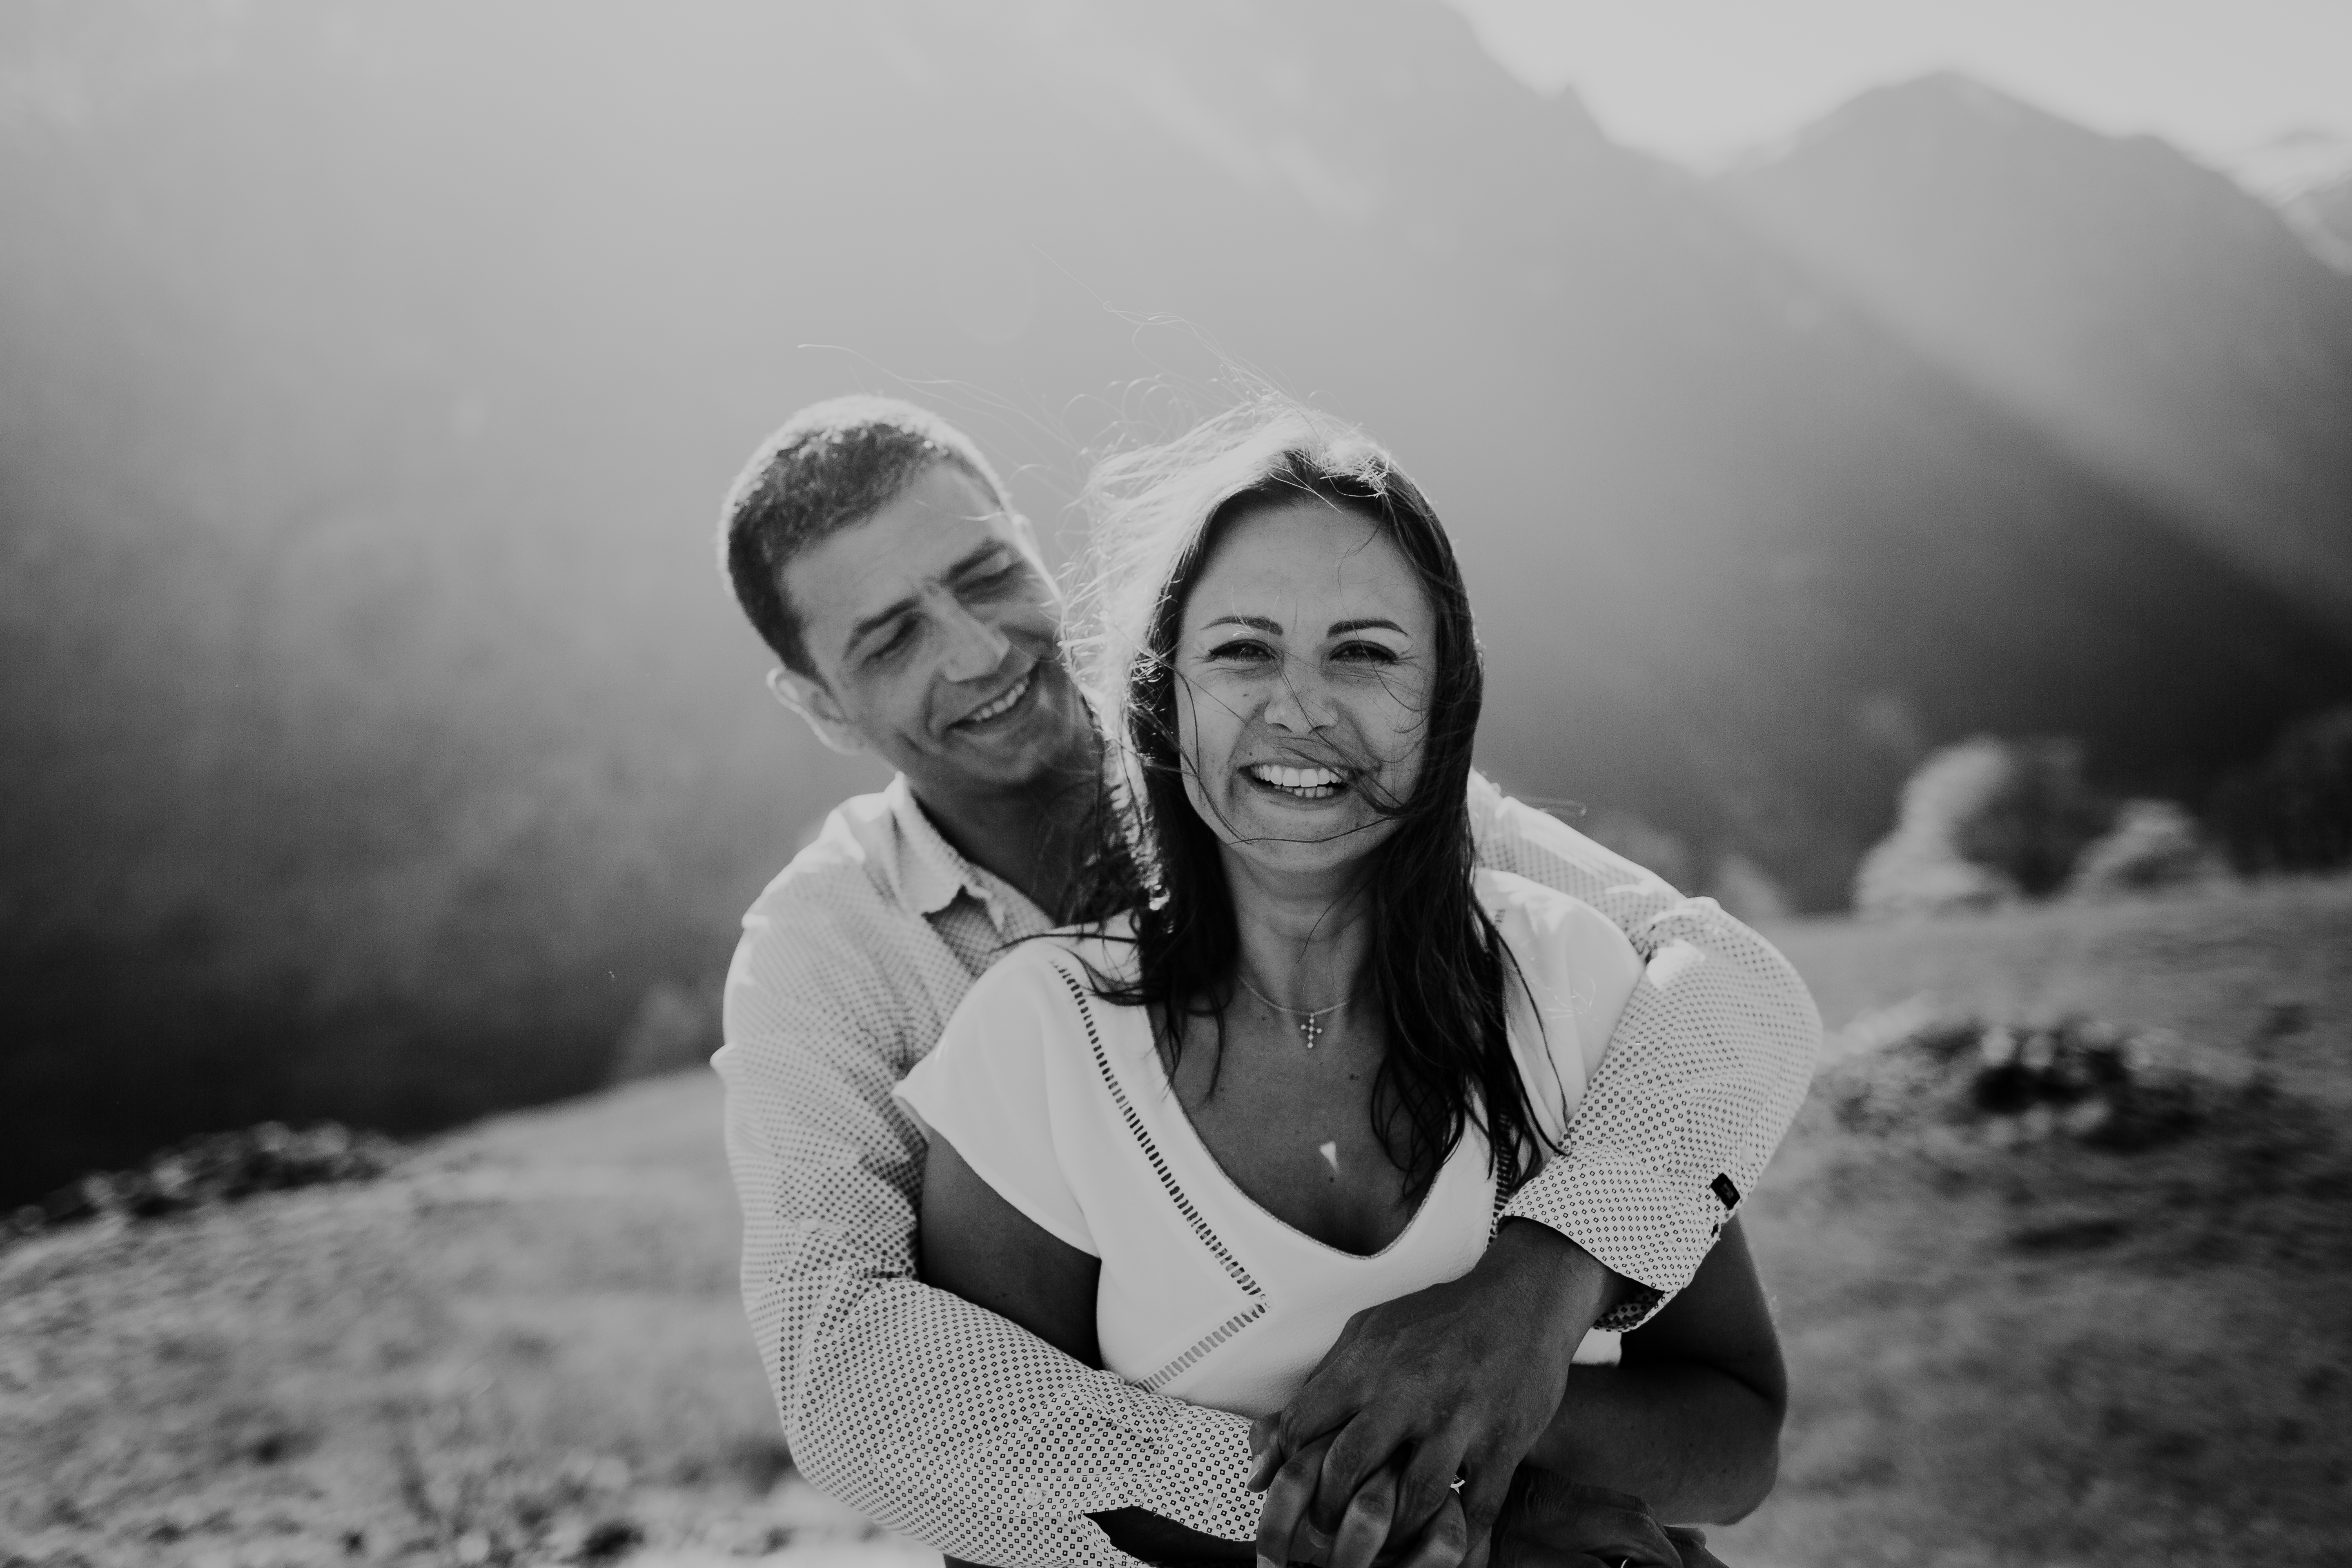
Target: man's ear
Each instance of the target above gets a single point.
(818, 711)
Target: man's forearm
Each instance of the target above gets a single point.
(1690, 1421)
(1564, 1287)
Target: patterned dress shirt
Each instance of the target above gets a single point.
(944, 1421)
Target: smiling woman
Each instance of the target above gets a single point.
(1304, 666)
(1299, 1073)
(1274, 594)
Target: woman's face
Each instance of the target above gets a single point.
(1304, 664)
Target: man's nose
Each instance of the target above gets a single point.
(974, 647)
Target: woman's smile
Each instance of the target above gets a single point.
(1296, 784)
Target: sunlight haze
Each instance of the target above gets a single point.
(1701, 80)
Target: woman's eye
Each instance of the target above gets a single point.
(1243, 649)
(1365, 652)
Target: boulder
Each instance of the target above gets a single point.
(2154, 844)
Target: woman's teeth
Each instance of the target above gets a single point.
(1003, 704)
(1306, 783)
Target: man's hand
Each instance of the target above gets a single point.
(1456, 1380)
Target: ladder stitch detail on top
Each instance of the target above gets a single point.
(1200, 1229)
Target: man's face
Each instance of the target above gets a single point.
(936, 634)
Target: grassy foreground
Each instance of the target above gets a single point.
(524, 1345)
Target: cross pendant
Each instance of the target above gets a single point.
(1312, 1027)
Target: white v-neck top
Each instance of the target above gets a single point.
(1060, 1101)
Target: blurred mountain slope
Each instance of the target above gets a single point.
(2323, 216)
(2305, 172)
(2156, 318)
(379, 732)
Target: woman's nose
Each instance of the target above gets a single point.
(1296, 704)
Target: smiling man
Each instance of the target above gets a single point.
(932, 639)
(878, 556)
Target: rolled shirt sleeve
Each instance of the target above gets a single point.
(1710, 1060)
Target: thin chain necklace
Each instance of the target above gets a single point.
(1310, 1022)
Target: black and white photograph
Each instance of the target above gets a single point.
(1175, 783)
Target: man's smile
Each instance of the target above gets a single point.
(981, 717)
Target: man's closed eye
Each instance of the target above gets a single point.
(902, 635)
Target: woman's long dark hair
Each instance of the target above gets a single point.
(1437, 965)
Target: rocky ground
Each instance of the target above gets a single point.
(2015, 1334)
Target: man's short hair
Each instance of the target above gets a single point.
(832, 465)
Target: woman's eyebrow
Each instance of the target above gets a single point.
(1369, 622)
(1256, 623)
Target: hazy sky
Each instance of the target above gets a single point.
(1699, 80)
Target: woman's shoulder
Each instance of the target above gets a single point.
(1010, 1079)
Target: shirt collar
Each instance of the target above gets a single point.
(925, 870)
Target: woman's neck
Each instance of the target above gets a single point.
(1304, 941)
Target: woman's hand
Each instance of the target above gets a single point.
(1366, 1532)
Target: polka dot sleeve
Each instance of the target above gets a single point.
(1711, 1058)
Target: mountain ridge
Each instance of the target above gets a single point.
(2154, 318)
